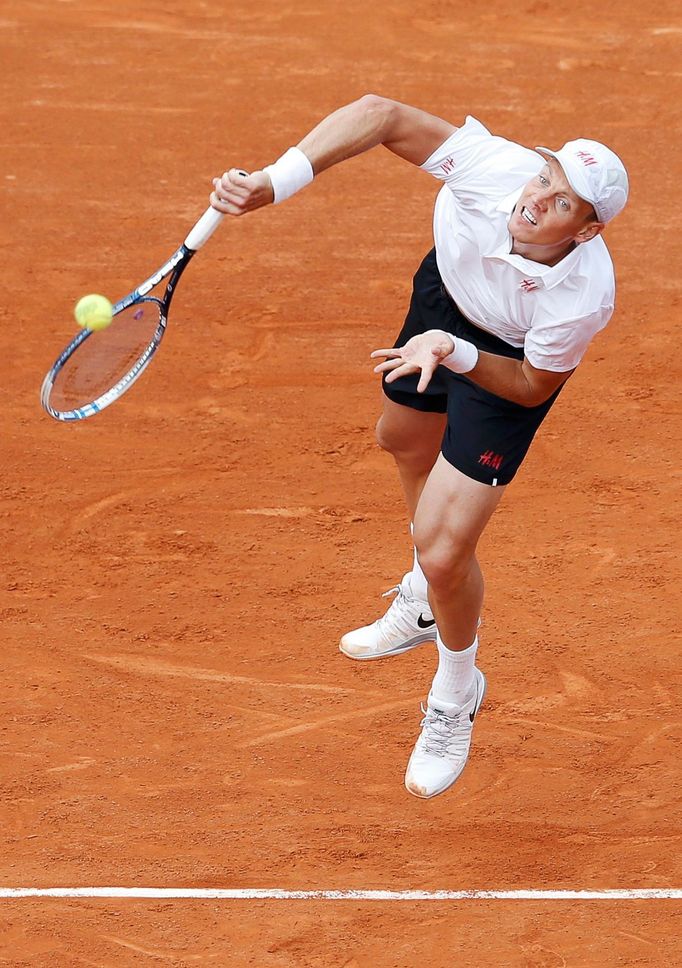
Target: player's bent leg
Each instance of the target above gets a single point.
(413, 438)
(451, 516)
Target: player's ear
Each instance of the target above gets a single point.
(589, 231)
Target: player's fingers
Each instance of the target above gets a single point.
(225, 206)
(244, 190)
(390, 353)
(427, 372)
(236, 180)
(233, 176)
(404, 369)
(229, 190)
(424, 378)
(387, 365)
(232, 186)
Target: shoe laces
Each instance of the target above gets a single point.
(445, 735)
(400, 617)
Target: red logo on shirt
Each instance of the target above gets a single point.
(448, 166)
(490, 459)
(586, 158)
(528, 285)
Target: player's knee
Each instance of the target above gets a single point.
(446, 565)
(404, 444)
(389, 438)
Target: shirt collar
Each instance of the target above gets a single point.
(543, 277)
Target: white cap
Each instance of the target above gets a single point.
(595, 173)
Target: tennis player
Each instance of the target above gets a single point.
(502, 311)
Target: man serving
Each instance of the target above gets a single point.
(502, 311)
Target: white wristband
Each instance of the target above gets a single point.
(289, 174)
(464, 357)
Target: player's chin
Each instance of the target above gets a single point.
(521, 230)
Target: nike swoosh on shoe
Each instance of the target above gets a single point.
(425, 623)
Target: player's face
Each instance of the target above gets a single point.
(549, 213)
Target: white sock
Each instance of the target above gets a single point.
(418, 582)
(454, 677)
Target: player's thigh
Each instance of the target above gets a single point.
(403, 430)
(452, 513)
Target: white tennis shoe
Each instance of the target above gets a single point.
(442, 749)
(407, 623)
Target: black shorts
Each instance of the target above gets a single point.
(486, 436)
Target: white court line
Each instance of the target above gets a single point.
(263, 894)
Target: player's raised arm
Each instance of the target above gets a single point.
(370, 121)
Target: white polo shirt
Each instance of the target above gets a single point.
(551, 311)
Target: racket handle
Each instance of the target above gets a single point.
(204, 229)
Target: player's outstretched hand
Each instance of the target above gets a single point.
(236, 192)
(421, 353)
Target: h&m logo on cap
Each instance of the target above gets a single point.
(448, 165)
(586, 158)
(528, 285)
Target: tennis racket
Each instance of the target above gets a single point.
(97, 367)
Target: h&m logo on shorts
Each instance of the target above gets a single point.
(490, 459)
(528, 285)
(448, 166)
(586, 158)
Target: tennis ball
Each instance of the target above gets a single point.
(93, 312)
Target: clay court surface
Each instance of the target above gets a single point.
(178, 570)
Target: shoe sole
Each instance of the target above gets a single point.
(436, 793)
(405, 647)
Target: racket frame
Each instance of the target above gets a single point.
(199, 234)
(174, 266)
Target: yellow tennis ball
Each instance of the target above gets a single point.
(93, 312)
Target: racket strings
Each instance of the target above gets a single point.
(106, 357)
